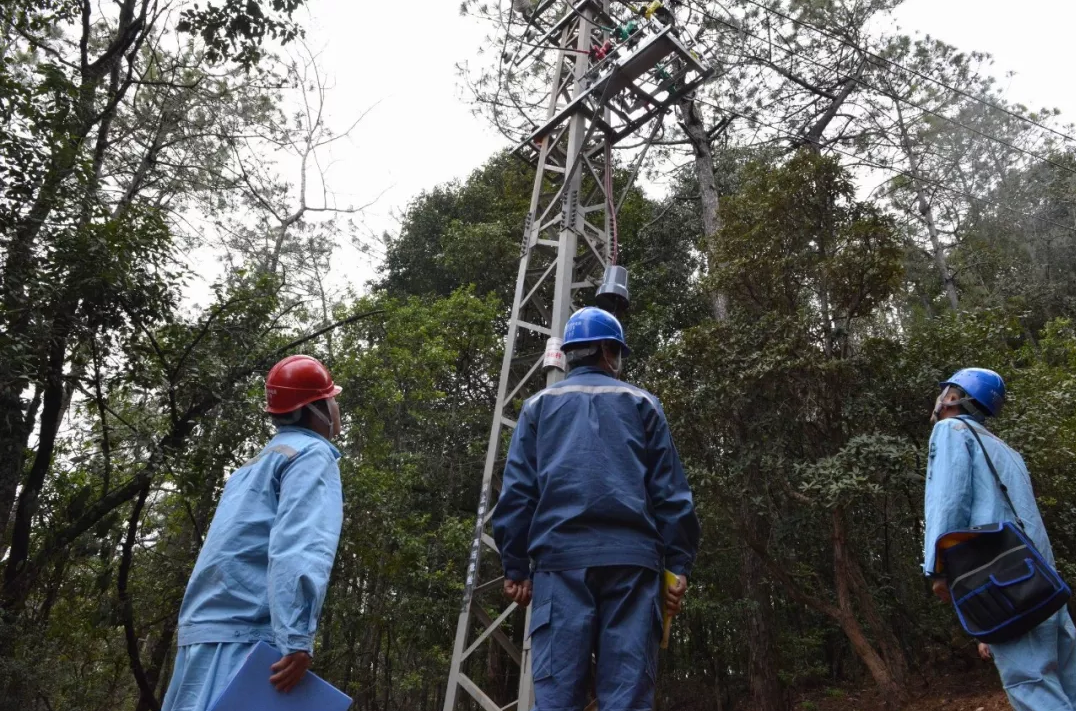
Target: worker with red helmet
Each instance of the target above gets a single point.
(263, 570)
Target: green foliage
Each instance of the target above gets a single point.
(863, 467)
(417, 398)
(794, 239)
(237, 30)
(1019, 261)
(455, 235)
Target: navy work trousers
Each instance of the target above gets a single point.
(614, 613)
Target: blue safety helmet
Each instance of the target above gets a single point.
(983, 386)
(593, 325)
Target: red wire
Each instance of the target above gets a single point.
(550, 46)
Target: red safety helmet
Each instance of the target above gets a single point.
(295, 382)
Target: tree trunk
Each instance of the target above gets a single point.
(158, 659)
(813, 137)
(704, 170)
(926, 213)
(886, 640)
(894, 693)
(766, 694)
(14, 435)
(843, 613)
(51, 415)
(890, 681)
(146, 686)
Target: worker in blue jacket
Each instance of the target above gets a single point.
(1038, 670)
(594, 494)
(264, 567)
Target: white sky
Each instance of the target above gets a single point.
(403, 54)
(1031, 38)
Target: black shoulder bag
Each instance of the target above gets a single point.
(1001, 585)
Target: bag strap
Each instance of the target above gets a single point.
(1001, 485)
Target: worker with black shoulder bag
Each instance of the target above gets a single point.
(987, 552)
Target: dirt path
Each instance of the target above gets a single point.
(970, 692)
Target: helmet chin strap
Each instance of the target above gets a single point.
(325, 419)
(617, 364)
(968, 403)
(938, 405)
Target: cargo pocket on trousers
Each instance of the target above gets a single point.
(541, 641)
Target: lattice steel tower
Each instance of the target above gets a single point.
(613, 69)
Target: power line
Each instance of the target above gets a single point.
(898, 171)
(891, 95)
(894, 97)
(897, 65)
(921, 75)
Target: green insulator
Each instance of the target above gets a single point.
(623, 32)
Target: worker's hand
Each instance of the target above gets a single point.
(674, 597)
(984, 652)
(289, 671)
(941, 589)
(518, 591)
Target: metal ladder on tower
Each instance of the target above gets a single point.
(595, 100)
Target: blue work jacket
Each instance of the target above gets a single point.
(961, 491)
(593, 479)
(264, 567)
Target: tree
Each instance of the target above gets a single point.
(946, 147)
(68, 108)
(1019, 251)
(804, 265)
(459, 234)
(107, 139)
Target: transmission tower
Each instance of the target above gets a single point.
(613, 69)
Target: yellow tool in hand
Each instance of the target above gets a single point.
(671, 581)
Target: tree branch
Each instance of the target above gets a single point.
(201, 334)
(127, 607)
(99, 398)
(18, 585)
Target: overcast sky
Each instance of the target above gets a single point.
(402, 55)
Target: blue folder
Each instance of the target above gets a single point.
(250, 690)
